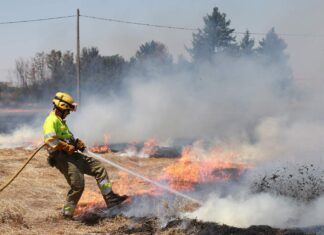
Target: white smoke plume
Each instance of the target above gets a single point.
(246, 209)
(24, 136)
(218, 102)
(238, 103)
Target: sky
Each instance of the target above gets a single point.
(24, 40)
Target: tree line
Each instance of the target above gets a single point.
(45, 73)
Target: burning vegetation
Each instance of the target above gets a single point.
(192, 168)
(149, 211)
(101, 148)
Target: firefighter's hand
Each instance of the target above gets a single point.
(79, 145)
(70, 149)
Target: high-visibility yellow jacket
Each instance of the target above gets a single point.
(55, 130)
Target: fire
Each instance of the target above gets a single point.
(196, 167)
(150, 147)
(89, 201)
(130, 185)
(102, 148)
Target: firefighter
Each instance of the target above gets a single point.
(63, 154)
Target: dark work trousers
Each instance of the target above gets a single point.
(73, 167)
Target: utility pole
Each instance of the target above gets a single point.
(78, 59)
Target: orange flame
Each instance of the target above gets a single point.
(150, 146)
(189, 170)
(89, 201)
(102, 148)
(196, 166)
(130, 185)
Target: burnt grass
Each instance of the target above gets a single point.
(152, 225)
(302, 183)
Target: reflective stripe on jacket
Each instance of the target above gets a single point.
(55, 129)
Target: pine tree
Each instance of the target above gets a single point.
(153, 51)
(273, 47)
(151, 57)
(247, 44)
(215, 37)
(272, 52)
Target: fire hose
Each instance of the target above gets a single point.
(20, 170)
(99, 158)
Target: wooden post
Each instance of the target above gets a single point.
(78, 59)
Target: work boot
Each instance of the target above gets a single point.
(68, 217)
(68, 210)
(113, 199)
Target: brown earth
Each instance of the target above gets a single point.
(32, 203)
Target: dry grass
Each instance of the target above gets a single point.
(33, 202)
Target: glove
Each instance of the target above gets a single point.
(79, 145)
(69, 148)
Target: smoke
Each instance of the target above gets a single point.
(23, 136)
(246, 209)
(277, 194)
(242, 103)
(282, 139)
(21, 129)
(222, 101)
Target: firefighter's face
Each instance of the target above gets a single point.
(65, 113)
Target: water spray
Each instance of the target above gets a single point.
(100, 158)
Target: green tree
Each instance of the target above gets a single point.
(91, 64)
(38, 67)
(68, 65)
(247, 44)
(100, 73)
(273, 47)
(89, 57)
(151, 57)
(216, 37)
(154, 52)
(22, 71)
(114, 66)
(272, 53)
(69, 71)
(62, 70)
(54, 63)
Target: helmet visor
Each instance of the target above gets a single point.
(73, 106)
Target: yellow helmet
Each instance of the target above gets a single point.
(64, 101)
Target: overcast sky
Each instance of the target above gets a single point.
(287, 16)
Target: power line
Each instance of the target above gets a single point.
(138, 23)
(35, 20)
(192, 29)
(285, 34)
(151, 25)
